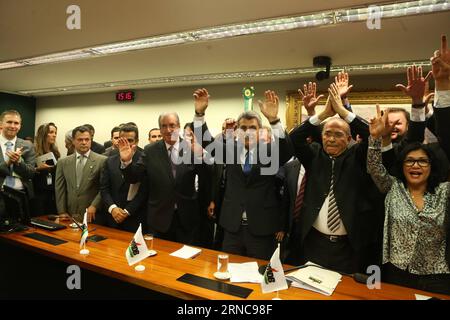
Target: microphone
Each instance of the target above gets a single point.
(78, 225)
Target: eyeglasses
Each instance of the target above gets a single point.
(423, 163)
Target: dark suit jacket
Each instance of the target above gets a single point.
(164, 190)
(97, 147)
(291, 172)
(443, 134)
(356, 195)
(114, 189)
(25, 169)
(256, 194)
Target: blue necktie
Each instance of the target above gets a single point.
(247, 165)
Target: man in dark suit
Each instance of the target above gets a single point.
(339, 211)
(125, 202)
(17, 159)
(170, 169)
(250, 212)
(95, 146)
(112, 149)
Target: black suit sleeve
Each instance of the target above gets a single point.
(443, 128)
(105, 187)
(135, 171)
(302, 148)
(431, 124)
(360, 127)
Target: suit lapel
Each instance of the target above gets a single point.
(88, 167)
(293, 178)
(71, 164)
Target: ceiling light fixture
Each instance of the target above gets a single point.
(224, 76)
(338, 16)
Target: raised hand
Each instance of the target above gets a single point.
(379, 125)
(309, 98)
(269, 107)
(416, 85)
(328, 111)
(341, 81)
(126, 150)
(336, 101)
(440, 65)
(201, 100)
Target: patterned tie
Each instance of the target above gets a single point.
(334, 219)
(172, 162)
(10, 181)
(79, 170)
(299, 199)
(247, 165)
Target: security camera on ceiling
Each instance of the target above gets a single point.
(322, 61)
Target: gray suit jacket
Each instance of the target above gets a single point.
(75, 200)
(25, 169)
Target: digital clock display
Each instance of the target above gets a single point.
(124, 96)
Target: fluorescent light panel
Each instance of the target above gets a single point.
(338, 16)
(226, 76)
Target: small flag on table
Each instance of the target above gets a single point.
(137, 250)
(274, 279)
(84, 231)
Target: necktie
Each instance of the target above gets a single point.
(79, 170)
(333, 219)
(9, 179)
(299, 199)
(172, 161)
(247, 165)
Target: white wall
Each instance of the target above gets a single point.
(103, 112)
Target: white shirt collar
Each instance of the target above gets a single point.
(3, 140)
(86, 154)
(176, 146)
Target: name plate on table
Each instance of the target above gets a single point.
(214, 285)
(44, 238)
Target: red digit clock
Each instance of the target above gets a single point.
(124, 96)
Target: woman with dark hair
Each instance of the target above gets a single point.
(416, 225)
(44, 180)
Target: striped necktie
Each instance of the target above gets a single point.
(299, 199)
(333, 219)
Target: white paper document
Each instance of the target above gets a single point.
(421, 297)
(45, 157)
(244, 272)
(315, 279)
(186, 252)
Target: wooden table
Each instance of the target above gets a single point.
(108, 258)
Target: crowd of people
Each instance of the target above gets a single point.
(337, 190)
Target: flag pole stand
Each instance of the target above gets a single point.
(139, 268)
(84, 251)
(277, 297)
